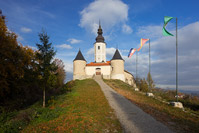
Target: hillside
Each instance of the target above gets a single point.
(84, 108)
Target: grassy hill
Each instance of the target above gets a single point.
(175, 118)
(83, 109)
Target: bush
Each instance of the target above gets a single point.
(143, 85)
(13, 122)
(68, 86)
(191, 102)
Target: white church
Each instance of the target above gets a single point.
(113, 69)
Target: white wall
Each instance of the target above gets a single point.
(105, 70)
(129, 79)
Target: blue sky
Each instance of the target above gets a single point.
(72, 24)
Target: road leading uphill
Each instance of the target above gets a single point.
(132, 118)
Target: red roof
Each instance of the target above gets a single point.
(99, 64)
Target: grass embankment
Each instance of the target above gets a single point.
(84, 109)
(175, 118)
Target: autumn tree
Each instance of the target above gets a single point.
(24, 71)
(61, 74)
(11, 62)
(45, 55)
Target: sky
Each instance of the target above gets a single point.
(73, 24)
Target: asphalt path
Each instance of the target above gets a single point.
(131, 117)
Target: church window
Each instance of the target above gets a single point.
(98, 47)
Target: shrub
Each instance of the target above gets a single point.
(143, 85)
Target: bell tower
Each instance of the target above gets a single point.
(100, 47)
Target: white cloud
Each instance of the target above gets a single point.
(73, 41)
(163, 57)
(45, 13)
(90, 51)
(25, 30)
(109, 53)
(90, 55)
(124, 50)
(19, 38)
(150, 31)
(109, 12)
(68, 66)
(32, 47)
(126, 29)
(65, 46)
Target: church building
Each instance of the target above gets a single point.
(113, 69)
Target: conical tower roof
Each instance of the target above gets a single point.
(79, 56)
(117, 55)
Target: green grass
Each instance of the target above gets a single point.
(83, 109)
(174, 118)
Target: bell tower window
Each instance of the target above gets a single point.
(98, 47)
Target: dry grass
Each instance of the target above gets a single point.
(85, 110)
(174, 118)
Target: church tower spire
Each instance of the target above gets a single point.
(99, 38)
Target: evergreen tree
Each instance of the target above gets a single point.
(150, 81)
(46, 67)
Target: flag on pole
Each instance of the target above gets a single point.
(142, 42)
(131, 52)
(164, 31)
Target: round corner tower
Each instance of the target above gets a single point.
(79, 64)
(117, 64)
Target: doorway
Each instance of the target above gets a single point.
(98, 71)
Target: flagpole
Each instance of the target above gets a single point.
(149, 65)
(176, 59)
(136, 65)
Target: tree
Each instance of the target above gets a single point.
(150, 81)
(11, 62)
(143, 85)
(23, 71)
(61, 74)
(45, 55)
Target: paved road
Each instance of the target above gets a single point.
(132, 118)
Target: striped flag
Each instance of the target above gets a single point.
(142, 42)
(131, 52)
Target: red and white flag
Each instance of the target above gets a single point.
(131, 52)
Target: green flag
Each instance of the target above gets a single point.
(164, 31)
